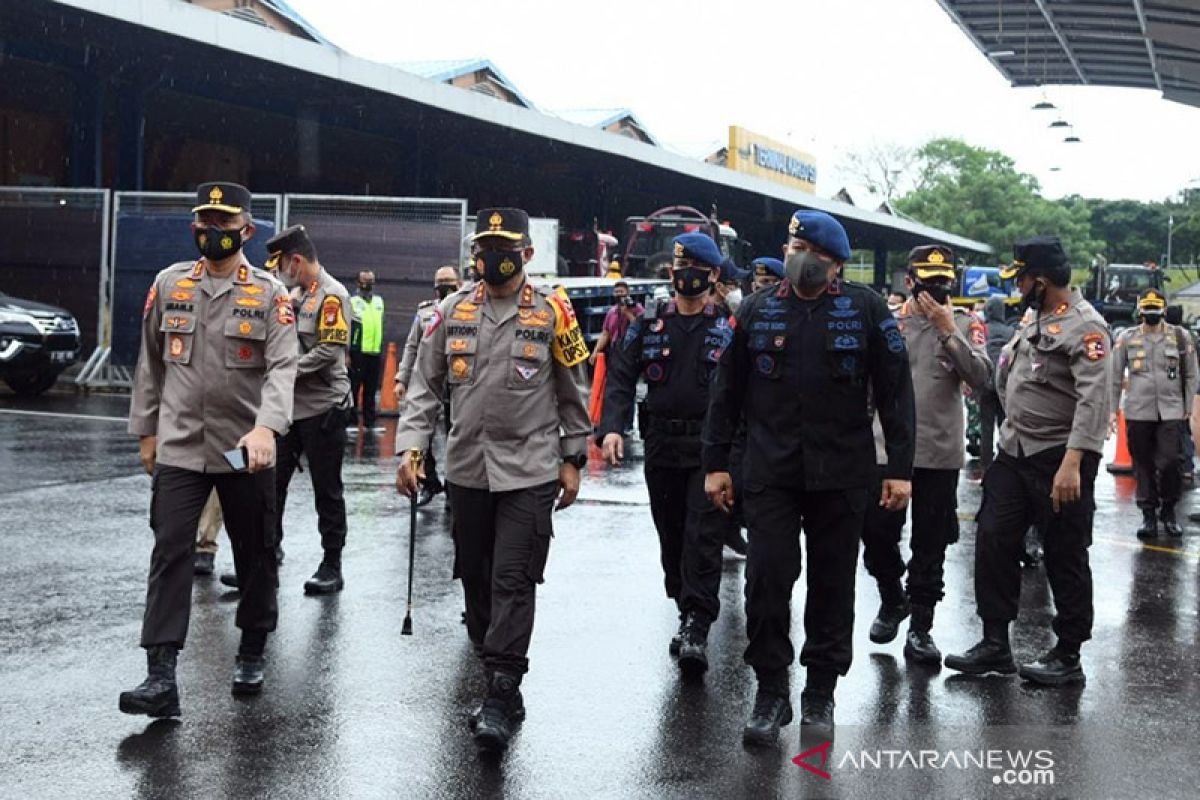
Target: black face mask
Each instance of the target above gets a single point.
(938, 293)
(1034, 298)
(806, 270)
(1152, 318)
(497, 267)
(366, 288)
(216, 243)
(691, 281)
(444, 290)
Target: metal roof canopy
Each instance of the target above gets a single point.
(184, 21)
(1143, 44)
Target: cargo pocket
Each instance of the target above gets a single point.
(178, 330)
(543, 532)
(460, 359)
(528, 364)
(766, 354)
(846, 354)
(245, 343)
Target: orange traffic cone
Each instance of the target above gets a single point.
(599, 377)
(387, 397)
(1122, 463)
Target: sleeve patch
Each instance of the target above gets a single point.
(333, 328)
(151, 296)
(284, 312)
(569, 346)
(978, 334)
(1094, 347)
(435, 322)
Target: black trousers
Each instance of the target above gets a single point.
(501, 542)
(691, 533)
(832, 523)
(323, 439)
(248, 504)
(1016, 494)
(991, 414)
(1156, 451)
(364, 373)
(934, 526)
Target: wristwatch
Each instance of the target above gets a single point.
(579, 461)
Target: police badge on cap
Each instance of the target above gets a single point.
(231, 198)
(507, 223)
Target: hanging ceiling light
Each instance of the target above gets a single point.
(1060, 123)
(1072, 139)
(1044, 105)
(1056, 169)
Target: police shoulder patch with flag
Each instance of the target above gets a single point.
(151, 296)
(569, 347)
(1094, 347)
(332, 328)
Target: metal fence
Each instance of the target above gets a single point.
(54, 250)
(151, 231)
(401, 239)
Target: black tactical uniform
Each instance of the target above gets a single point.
(676, 354)
(801, 372)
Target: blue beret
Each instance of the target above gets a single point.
(824, 231)
(768, 266)
(699, 247)
(730, 273)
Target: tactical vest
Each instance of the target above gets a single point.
(656, 355)
(370, 323)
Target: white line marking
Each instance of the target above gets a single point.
(58, 414)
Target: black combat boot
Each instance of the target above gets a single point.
(1057, 666)
(500, 710)
(991, 654)
(693, 658)
(1149, 529)
(1170, 525)
(158, 695)
(328, 577)
(202, 563)
(677, 639)
(893, 609)
(229, 579)
(920, 648)
(816, 706)
(772, 710)
(248, 672)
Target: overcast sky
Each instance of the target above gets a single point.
(829, 77)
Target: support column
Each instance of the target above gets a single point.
(87, 123)
(131, 136)
(882, 280)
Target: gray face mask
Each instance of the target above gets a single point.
(807, 270)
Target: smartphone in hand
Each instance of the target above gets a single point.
(238, 458)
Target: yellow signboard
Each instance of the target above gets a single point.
(757, 155)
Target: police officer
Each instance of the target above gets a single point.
(1053, 379)
(322, 396)
(214, 374)
(1161, 361)
(803, 361)
(515, 358)
(445, 283)
(767, 272)
(675, 346)
(946, 348)
(366, 344)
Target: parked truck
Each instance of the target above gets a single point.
(648, 239)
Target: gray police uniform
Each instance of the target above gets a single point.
(1053, 380)
(1162, 379)
(322, 393)
(408, 360)
(940, 365)
(218, 358)
(517, 367)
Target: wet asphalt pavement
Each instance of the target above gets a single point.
(352, 709)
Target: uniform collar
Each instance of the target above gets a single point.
(216, 286)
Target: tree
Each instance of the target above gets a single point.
(980, 194)
(881, 168)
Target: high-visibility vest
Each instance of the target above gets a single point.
(370, 324)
